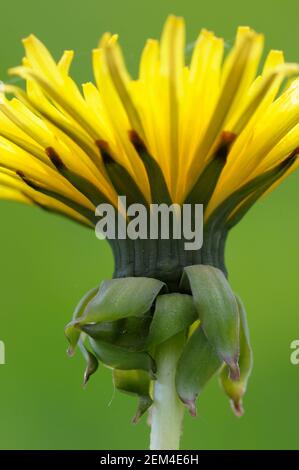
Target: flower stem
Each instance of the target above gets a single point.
(167, 409)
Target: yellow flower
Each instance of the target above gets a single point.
(217, 131)
(56, 140)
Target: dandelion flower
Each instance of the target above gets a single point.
(219, 131)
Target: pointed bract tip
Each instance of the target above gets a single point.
(86, 377)
(144, 405)
(90, 369)
(136, 417)
(237, 407)
(70, 351)
(191, 407)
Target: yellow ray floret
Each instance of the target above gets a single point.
(63, 148)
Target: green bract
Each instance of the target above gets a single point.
(236, 389)
(134, 382)
(197, 365)
(173, 314)
(121, 298)
(218, 311)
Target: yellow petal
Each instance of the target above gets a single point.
(172, 67)
(65, 62)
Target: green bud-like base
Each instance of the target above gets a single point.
(126, 321)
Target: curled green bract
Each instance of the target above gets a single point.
(121, 358)
(235, 390)
(121, 298)
(71, 332)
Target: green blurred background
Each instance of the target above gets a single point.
(48, 263)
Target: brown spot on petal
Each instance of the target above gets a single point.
(228, 137)
(105, 151)
(295, 152)
(55, 158)
(223, 148)
(27, 181)
(137, 141)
